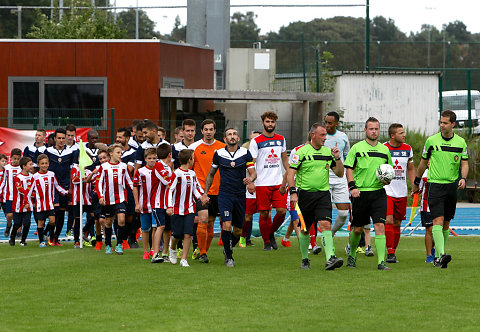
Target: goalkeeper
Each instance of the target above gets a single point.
(308, 178)
(369, 199)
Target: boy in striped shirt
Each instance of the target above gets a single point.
(86, 199)
(163, 174)
(111, 191)
(182, 194)
(21, 203)
(43, 191)
(144, 186)
(6, 188)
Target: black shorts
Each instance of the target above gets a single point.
(61, 200)
(315, 206)
(130, 203)
(212, 206)
(43, 215)
(168, 223)
(110, 210)
(86, 209)
(97, 208)
(370, 204)
(442, 199)
(232, 208)
(182, 225)
(427, 220)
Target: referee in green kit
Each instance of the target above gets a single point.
(308, 179)
(447, 154)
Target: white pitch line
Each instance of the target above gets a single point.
(34, 256)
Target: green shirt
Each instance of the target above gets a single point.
(445, 156)
(364, 159)
(312, 167)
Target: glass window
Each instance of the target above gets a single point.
(79, 104)
(50, 102)
(26, 102)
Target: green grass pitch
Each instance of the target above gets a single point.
(62, 289)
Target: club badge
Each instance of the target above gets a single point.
(59, 160)
(232, 164)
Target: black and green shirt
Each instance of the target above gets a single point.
(364, 159)
(312, 167)
(445, 156)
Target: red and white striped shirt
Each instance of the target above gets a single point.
(112, 183)
(86, 186)
(183, 192)
(7, 184)
(2, 172)
(43, 190)
(163, 174)
(147, 185)
(22, 185)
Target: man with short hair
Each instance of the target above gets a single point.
(61, 160)
(137, 134)
(369, 199)
(39, 144)
(308, 181)
(232, 162)
(188, 129)
(338, 185)
(178, 134)
(447, 154)
(162, 133)
(71, 132)
(269, 152)
(204, 149)
(251, 208)
(397, 191)
(150, 132)
(132, 221)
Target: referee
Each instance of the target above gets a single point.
(308, 180)
(369, 199)
(446, 152)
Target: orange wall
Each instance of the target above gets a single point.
(134, 70)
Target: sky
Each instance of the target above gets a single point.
(409, 15)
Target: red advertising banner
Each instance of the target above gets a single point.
(13, 138)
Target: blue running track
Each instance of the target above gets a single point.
(466, 222)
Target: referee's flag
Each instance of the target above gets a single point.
(84, 159)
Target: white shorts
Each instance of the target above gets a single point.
(339, 191)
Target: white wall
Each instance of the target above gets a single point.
(409, 99)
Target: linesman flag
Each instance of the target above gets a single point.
(84, 159)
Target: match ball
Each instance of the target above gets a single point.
(385, 173)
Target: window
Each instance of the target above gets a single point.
(48, 103)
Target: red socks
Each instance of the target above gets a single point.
(277, 222)
(246, 226)
(265, 224)
(313, 236)
(390, 238)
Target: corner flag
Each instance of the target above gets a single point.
(84, 160)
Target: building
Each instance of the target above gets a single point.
(48, 83)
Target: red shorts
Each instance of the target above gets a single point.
(251, 206)
(269, 196)
(397, 207)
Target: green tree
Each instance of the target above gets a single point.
(146, 27)
(8, 20)
(179, 31)
(243, 29)
(77, 24)
(458, 31)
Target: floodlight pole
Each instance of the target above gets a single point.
(136, 22)
(367, 37)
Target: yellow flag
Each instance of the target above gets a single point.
(84, 159)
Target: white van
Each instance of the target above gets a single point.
(457, 101)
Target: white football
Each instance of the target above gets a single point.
(385, 173)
